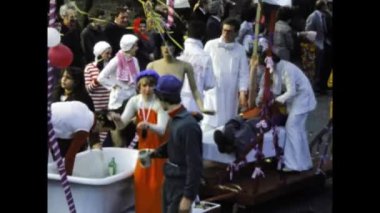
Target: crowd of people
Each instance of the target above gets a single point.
(155, 87)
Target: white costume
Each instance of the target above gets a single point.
(300, 100)
(69, 117)
(120, 90)
(231, 73)
(203, 73)
(136, 104)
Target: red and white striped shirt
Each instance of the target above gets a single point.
(99, 94)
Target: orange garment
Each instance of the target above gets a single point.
(330, 85)
(148, 181)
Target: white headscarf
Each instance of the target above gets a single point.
(99, 48)
(127, 41)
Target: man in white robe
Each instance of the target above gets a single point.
(300, 101)
(202, 65)
(230, 66)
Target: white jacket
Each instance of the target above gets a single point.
(298, 96)
(120, 90)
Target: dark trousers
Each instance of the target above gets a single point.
(326, 67)
(323, 65)
(172, 194)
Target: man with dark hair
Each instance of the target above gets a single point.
(92, 34)
(200, 13)
(213, 24)
(183, 168)
(115, 30)
(230, 67)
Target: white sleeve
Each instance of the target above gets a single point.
(310, 23)
(162, 121)
(290, 85)
(130, 111)
(209, 75)
(243, 77)
(136, 61)
(261, 90)
(107, 77)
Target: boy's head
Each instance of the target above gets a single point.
(168, 90)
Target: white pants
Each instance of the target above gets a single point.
(296, 153)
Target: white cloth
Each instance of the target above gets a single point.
(230, 66)
(248, 43)
(211, 152)
(120, 90)
(278, 2)
(180, 3)
(203, 72)
(296, 152)
(69, 117)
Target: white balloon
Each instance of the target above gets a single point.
(54, 37)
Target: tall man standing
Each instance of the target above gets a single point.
(230, 67)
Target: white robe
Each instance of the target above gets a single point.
(300, 100)
(231, 73)
(203, 72)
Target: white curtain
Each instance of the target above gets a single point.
(278, 2)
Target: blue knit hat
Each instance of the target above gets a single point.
(168, 85)
(146, 73)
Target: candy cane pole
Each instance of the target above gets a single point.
(52, 140)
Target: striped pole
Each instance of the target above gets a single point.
(170, 13)
(53, 144)
(52, 13)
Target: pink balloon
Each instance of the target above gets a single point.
(60, 56)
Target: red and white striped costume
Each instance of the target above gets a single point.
(99, 94)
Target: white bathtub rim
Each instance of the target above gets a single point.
(94, 181)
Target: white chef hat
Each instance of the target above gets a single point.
(127, 41)
(99, 48)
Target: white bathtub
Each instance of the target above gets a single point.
(94, 191)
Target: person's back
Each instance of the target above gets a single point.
(69, 117)
(201, 63)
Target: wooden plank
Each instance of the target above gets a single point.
(253, 192)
